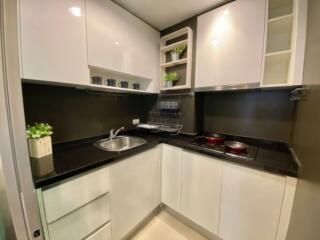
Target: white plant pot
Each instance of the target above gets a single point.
(175, 57)
(40, 151)
(168, 84)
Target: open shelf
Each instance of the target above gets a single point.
(275, 19)
(279, 34)
(175, 63)
(277, 67)
(174, 88)
(174, 45)
(182, 66)
(116, 89)
(145, 83)
(280, 8)
(278, 53)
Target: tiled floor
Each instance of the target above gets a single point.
(165, 227)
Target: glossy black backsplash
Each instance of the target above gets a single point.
(77, 114)
(266, 114)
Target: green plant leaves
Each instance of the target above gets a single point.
(39, 130)
(179, 50)
(173, 76)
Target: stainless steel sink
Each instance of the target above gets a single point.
(120, 143)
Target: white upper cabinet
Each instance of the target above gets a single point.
(230, 42)
(285, 43)
(201, 189)
(53, 41)
(119, 41)
(251, 204)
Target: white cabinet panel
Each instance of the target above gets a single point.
(286, 209)
(68, 196)
(201, 190)
(102, 234)
(171, 176)
(230, 41)
(53, 41)
(250, 204)
(119, 41)
(135, 190)
(82, 222)
(107, 40)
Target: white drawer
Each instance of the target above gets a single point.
(66, 197)
(80, 223)
(103, 233)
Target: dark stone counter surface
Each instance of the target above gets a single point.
(76, 157)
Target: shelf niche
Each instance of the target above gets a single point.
(279, 49)
(280, 34)
(280, 8)
(183, 65)
(277, 68)
(145, 83)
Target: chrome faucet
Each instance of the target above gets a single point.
(113, 135)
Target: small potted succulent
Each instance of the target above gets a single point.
(177, 52)
(169, 78)
(40, 148)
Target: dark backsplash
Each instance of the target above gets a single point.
(266, 114)
(77, 114)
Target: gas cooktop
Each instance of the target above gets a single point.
(249, 153)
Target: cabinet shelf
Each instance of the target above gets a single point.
(174, 45)
(280, 7)
(174, 63)
(116, 89)
(277, 66)
(182, 66)
(278, 53)
(174, 88)
(279, 34)
(275, 19)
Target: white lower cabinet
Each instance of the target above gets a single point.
(250, 204)
(103, 233)
(171, 176)
(228, 200)
(135, 190)
(82, 222)
(77, 207)
(201, 190)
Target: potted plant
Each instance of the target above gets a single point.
(169, 78)
(177, 52)
(40, 148)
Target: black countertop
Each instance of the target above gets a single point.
(77, 157)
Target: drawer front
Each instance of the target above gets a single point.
(66, 197)
(80, 223)
(103, 233)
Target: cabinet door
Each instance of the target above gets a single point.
(72, 194)
(250, 204)
(201, 190)
(103, 233)
(171, 176)
(119, 41)
(230, 44)
(81, 222)
(107, 37)
(135, 190)
(53, 41)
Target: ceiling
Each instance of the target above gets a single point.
(162, 14)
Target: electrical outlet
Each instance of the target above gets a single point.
(135, 121)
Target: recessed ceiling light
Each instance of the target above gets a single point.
(75, 11)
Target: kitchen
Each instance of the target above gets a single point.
(159, 120)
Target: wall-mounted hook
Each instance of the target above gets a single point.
(298, 93)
